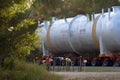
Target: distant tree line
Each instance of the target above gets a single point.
(67, 8)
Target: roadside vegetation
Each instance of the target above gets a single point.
(27, 71)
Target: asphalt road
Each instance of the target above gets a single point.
(89, 75)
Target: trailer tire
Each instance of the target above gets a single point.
(117, 63)
(93, 63)
(105, 63)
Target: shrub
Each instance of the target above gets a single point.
(27, 71)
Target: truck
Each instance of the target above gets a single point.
(97, 39)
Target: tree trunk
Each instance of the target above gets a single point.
(1, 62)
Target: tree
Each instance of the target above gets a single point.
(46, 9)
(17, 30)
(90, 6)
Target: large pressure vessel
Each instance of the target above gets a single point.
(81, 35)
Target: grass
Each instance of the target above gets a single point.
(27, 71)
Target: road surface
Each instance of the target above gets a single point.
(89, 75)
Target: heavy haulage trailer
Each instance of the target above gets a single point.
(84, 36)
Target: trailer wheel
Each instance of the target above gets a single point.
(93, 63)
(117, 63)
(105, 63)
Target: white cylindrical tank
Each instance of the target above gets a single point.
(109, 30)
(80, 35)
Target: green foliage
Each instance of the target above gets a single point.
(17, 31)
(33, 54)
(27, 71)
(68, 8)
(8, 63)
(46, 8)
